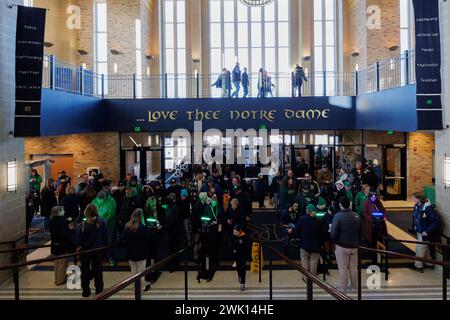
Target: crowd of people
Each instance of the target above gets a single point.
(213, 209)
(265, 85)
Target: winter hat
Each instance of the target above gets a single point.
(322, 203)
(184, 193)
(310, 208)
(347, 183)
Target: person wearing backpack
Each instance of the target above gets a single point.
(427, 225)
(91, 234)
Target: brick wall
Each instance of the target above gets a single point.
(88, 150)
(420, 161)
(12, 204)
(443, 137)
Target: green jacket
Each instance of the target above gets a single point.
(107, 210)
(360, 200)
(35, 183)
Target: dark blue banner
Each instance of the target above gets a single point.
(428, 64)
(314, 113)
(29, 62)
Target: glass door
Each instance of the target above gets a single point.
(394, 178)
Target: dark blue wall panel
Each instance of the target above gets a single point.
(67, 113)
(392, 109)
(124, 115)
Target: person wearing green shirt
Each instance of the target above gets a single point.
(361, 198)
(106, 206)
(35, 181)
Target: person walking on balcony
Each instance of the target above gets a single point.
(427, 225)
(237, 77)
(245, 83)
(299, 76)
(346, 232)
(261, 83)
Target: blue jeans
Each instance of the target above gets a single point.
(245, 91)
(237, 88)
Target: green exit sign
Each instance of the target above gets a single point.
(390, 132)
(137, 129)
(263, 127)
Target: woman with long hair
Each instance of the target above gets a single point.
(92, 234)
(137, 239)
(48, 201)
(71, 203)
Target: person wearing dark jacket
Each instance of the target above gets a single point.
(427, 225)
(245, 202)
(48, 201)
(61, 236)
(184, 207)
(312, 235)
(236, 77)
(245, 83)
(137, 238)
(197, 211)
(210, 239)
(288, 219)
(86, 197)
(241, 253)
(91, 234)
(71, 203)
(299, 76)
(129, 204)
(374, 219)
(347, 232)
(261, 190)
(172, 228)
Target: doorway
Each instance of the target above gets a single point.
(394, 177)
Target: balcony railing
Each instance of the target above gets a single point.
(385, 74)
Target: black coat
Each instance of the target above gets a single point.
(71, 204)
(138, 243)
(197, 212)
(48, 201)
(61, 236)
(238, 216)
(311, 232)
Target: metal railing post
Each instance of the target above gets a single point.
(444, 273)
(134, 85)
(81, 80)
(378, 75)
(197, 80)
(406, 67)
(185, 277)
(103, 86)
(357, 82)
(165, 86)
(324, 83)
(260, 261)
(229, 85)
(52, 68)
(309, 289)
(15, 259)
(270, 278)
(386, 260)
(293, 84)
(359, 275)
(137, 290)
